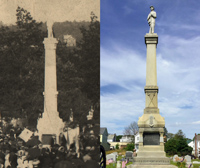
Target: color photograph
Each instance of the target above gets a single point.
(150, 82)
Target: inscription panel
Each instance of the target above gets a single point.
(151, 138)
(151, 161)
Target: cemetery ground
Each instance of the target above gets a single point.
(122, 152)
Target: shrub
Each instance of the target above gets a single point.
(117, 146)
(130, 147)
(181, 164)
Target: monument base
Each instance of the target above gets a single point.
(151, 156)
(48, 125)
(151, 166)
(151, 162)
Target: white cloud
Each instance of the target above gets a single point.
(196, 122)
(120, 65)
(178, 80)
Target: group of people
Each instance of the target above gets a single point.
(16, 153)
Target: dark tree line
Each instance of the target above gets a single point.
(22, 71)
(177, 144)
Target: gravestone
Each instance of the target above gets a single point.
(115, 153)
(111, 156)
(174, 158)
(129, 155)
(188, 160)
(118, 164)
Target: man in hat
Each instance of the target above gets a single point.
(151, 20)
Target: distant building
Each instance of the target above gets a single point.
(111, 138)
(69, 40)
(137, 139)
(104, 138)
(126, 138)
(192, 144)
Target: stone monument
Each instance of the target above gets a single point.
(50, 124)
(151, 125)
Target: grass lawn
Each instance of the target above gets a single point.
(194, 165)
(122, 151)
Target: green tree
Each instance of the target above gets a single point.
(171, 146)
(130, 147)
(117, 146)
(79, 75)
(21, 81)
(89, 65)
(178, 145)
(179, 135)
(118, 137)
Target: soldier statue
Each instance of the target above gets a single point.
(151, 20)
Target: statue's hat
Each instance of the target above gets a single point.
(151, 6)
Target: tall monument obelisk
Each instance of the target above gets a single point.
(151, 125)
(50, 123)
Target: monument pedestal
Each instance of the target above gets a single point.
(50, 126)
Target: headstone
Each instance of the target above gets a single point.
(111, 156)
(129, 155)
(115, 153)
(174, 158)
(118, 164)
(188, 160)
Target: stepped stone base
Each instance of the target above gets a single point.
(151, 162)
(151, 166)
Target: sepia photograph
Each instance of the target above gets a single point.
(150, 83)
(49, 83)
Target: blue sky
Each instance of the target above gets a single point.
(123, 63)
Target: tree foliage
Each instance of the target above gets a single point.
(22, 71)
(117, 146)
(178, 145)
(89, 66)
(130, 147)
(118, 137)
(22, 62)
